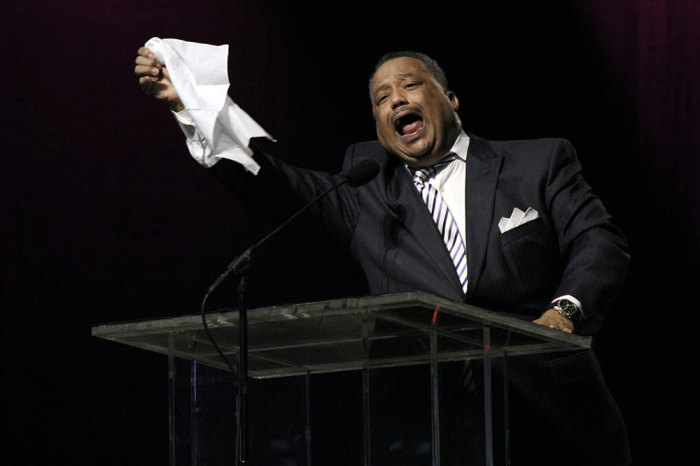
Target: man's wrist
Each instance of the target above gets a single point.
(566, 308)
(176, 106)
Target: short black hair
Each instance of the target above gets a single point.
(432, 64)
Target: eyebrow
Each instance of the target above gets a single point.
(380, 88)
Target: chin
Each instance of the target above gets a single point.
(416, 160)
(425, 155)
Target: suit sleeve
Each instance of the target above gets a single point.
(279, 190)
(595, 251)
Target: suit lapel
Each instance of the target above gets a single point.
(483, 168)
(420, 224)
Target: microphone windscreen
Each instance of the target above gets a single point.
(362, 172)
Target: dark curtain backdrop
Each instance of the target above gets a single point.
(105, 217)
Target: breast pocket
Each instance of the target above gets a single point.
(529, 228)
(532, 253)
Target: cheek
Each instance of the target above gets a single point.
(384, 128)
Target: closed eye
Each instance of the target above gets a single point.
(382, 99)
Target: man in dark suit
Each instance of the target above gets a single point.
(539, 245)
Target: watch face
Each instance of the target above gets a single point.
(567, 306)
(567, 309)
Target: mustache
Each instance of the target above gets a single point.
(405, 110)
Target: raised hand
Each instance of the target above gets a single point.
(155, 80)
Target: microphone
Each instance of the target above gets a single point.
(362, 172)
(359, 174)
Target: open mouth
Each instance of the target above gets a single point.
(409, 124)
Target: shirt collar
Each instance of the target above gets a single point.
(461, 146)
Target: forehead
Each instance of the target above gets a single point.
(398, 68)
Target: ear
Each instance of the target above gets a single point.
(453, 99)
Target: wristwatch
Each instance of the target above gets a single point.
(567, 309)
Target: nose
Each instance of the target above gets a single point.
(398, 98)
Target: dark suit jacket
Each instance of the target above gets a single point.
(572, 248)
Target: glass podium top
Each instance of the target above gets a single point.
(345, 334)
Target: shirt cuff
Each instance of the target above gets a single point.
(230, 144)
(196, 143)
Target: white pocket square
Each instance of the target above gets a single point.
(517, 218)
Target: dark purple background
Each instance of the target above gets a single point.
(105, 218)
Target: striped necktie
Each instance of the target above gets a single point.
(442, 217)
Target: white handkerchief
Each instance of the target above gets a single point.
(199, 72)
(517, 218)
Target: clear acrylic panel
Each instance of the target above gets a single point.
(369, 380)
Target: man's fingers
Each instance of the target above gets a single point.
(153, 77)
(146, 61)
(144, 52)
(561, 327)
(142, 63)
(556, 322)
(144, 70)
(147, 80)
(146, 64)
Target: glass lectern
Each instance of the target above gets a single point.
(352, 368)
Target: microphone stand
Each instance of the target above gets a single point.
(239, 267)
(242, 405)
(361, 173)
